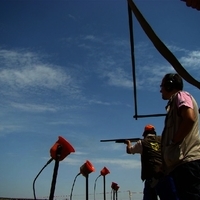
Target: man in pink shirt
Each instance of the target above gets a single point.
(180, 144)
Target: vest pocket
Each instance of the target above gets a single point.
(173, 155)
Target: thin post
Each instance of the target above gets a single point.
(104, 187)
(86, 177)
(53, 183)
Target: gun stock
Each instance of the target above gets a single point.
(121, 140)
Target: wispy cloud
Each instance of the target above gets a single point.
(113, 69)
(34, 107)
(23, 70)
(123, 163)
(174, 48)
(151, 69)
(91, 38)
(119, 78)
(191, 60)
(9, 128)
(34, 75)
(93, 101)
(71, 16)
(26, 70)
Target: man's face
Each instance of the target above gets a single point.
(165, 94)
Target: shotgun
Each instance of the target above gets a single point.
(121, 140)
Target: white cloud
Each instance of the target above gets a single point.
(71, 16)
(26, 70)
(124, 163)
(40, 75)
(174, 48)
(192, 60)
(6, 129)
(34, 107)
(72, 161)
(93, 101)
(119, 78)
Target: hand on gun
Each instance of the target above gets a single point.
(128, 143)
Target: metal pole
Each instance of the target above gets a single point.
(113, 194)
(86, 177)
(104, 187)
(130, 194)
(53, 184)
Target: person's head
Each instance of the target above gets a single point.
(149, 129)
(171, 83)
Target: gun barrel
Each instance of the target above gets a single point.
(121, 140)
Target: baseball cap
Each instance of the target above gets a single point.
(149, 129)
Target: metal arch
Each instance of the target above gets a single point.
(136, 116)
(160, 46)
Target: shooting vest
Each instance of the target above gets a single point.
(186, 151)
(151, 156)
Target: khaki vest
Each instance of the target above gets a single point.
(189, 149)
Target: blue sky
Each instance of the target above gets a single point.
(65, 70)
